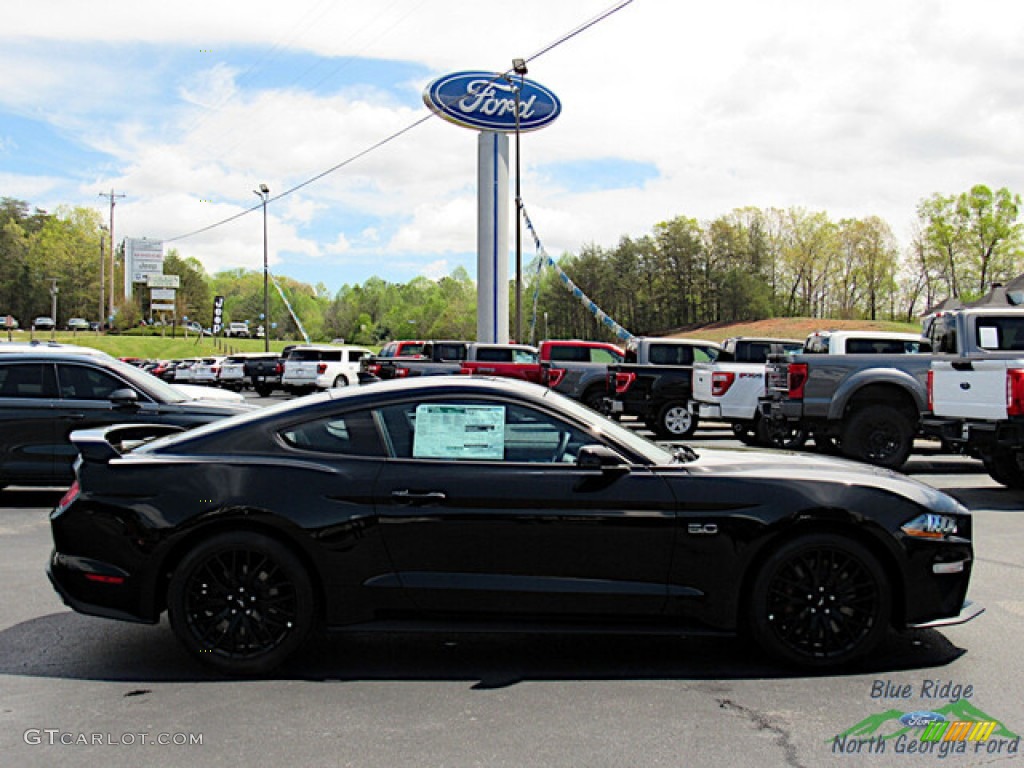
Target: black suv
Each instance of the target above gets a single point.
(46, 391)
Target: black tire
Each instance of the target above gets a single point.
(820, 600)
(241, 603)
(827, 444)
(675, 421)
(879, 435)
(1007, 468)
(779, 435)
(745, 435)
(593, 398)
(264, 391)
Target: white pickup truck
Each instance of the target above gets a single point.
(729, 389)
(976, 393)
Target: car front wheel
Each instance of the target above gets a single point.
(241, 603)
(820, 600)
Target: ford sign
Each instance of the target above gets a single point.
(921, 719)
(487, 101)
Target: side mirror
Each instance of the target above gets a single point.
(124, 398)
(602, 459)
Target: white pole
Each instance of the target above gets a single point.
(492, 238)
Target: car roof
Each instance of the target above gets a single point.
(49, 348)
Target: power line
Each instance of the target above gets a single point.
(415, 124)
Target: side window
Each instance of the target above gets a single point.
(350, 434)
(598, 355)
(80, 383)
(524, 356)
(478, 431)
(704, 354)
(35, 380)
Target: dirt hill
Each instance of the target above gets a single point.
(789, 328)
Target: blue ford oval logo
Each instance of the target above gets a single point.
(487, 101)
(921, 719)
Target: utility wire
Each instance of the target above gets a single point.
(388, 139)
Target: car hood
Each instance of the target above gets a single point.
(195, 392)
(779, 465)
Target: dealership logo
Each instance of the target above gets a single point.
(486, 101)
(921, 719)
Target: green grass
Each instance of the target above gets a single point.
(155, 347)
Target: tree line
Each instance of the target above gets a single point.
(749, 264)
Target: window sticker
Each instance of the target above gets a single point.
(988, 337)
(459, 432)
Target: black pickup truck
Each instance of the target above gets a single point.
(263, 370)
(434, 358)
(655, 383)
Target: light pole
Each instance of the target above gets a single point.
(53, 306)
(519, 67)
(263, 193)
(103, 277)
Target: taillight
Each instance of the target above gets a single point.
(1015, 392)
(623, 381)
(69, 496)
(401, 373)
(554, 376)
(373, 368)
(931, 391)
(321, 369)
(796, 379)
(279, 369)
(720, 382)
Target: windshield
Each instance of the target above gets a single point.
(652, 452)
(151, 385)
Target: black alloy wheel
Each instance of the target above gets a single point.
(779, 435)
(241, 603)
(820, 600)
(879, 435)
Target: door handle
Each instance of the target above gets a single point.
(424, 498)
(76, 416)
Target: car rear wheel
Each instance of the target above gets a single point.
(593, 398)
(340, 381)
(779, 435)
(1007, 468)
(820, 600)
(880, 435)
(675, 421)
(241, 603)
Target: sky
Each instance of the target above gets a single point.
(669, 108)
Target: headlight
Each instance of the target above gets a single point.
(931, 527)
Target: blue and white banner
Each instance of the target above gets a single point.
(545, 259)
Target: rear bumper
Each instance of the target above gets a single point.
(69, 577)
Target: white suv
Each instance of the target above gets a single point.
(321, 367)
(238, 330)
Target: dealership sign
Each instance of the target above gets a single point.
(487, 102)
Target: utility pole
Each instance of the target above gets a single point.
(103, 279)
(111, 196)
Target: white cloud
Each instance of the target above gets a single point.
(856, 109)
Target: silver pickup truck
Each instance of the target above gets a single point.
(976, 394)
(861, 393)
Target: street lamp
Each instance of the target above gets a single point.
(263, 193)
(519, 67)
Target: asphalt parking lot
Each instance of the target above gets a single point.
(76, 690)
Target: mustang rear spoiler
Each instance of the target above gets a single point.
(102, 444)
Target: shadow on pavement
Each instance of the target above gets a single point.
(75, 647)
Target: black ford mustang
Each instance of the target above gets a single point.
(481, 504)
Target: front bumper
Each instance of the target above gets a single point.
(969, 611)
